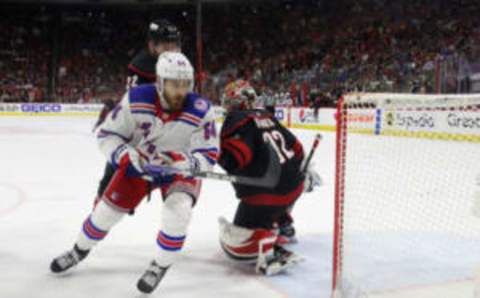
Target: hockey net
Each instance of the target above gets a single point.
(407, 210)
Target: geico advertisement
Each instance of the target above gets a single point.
(30, 108)
(433, 121)
(49, 109)
(41, 108)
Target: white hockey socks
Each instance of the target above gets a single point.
(176, 215)
(97, 225)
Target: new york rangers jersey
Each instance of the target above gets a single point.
(140, 121)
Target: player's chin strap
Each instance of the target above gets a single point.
(269, 180)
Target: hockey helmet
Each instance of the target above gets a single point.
(162, 30)
(238, 95)
(173, 66)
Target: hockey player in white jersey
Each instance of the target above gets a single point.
(161, 124)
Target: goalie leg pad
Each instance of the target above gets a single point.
(244, 244)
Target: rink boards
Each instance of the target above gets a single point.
(456, 125)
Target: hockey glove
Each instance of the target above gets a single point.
(176, 162)
(128, 157)
(312, 180)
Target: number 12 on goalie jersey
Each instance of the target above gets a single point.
(248, 139)
(277, 141)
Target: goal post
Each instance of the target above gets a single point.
(407, 196)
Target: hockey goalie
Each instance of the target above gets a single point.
(251, 140)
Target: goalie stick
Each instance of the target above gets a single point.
(317, 140)
(267, 181)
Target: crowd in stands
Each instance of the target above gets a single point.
(296, 52)
(24, 59)
(355, 46)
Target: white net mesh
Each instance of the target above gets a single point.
(407, 196)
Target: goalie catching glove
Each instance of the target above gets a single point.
(312, 180)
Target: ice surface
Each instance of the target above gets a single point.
(50, 172)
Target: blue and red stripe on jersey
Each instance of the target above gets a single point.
(93, 232)
(189, 119)
(143, 108)
(210, 154)
(142, 99)
(170, 243)
(175, 156)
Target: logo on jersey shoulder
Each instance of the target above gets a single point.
(201, 105)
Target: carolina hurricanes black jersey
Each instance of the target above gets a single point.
(245, 138)
(141, 70)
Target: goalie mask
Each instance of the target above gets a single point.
(238, 95)
(174, 79)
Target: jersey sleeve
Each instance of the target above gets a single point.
(117, 130)
(205, 143)
(237, 146)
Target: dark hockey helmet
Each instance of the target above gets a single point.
(162, 30)
(238, 95)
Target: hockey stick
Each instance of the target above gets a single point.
(317, 140)
(267, 181)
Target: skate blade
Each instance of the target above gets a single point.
(277, 268)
